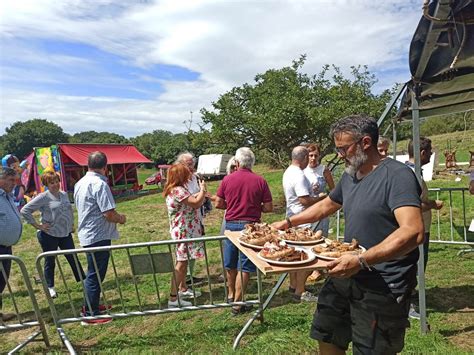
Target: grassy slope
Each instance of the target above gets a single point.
(450, 286)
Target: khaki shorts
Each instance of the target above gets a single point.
(374, 322)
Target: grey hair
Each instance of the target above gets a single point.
(230, 165)
(245, 157)
(97, 160)
(6, 172)
(182, 156)
(358, 126)
(299, 153)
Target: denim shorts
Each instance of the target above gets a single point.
(231, 253)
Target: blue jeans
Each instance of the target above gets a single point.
(50, 243)
(231, 253)
(92, 285)
(6, 266)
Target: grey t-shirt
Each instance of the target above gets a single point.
(369, 206)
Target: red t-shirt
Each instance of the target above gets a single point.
(244, 192)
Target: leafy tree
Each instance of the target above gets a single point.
(98, 137)
(285, 108)
(21, 137)
(162, 146)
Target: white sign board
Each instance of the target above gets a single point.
(427, 169)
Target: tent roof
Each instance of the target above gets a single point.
(116, 153)
(442, 60)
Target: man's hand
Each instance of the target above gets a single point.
(344, 267)
(123, 219)
(281, 225)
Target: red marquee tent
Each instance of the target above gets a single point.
(70, 160)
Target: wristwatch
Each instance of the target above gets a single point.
(289, 222)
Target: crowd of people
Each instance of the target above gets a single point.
(366, 298)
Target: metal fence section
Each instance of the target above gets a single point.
(449, 225)
(137, 283)
(23, 319)
(454, 212)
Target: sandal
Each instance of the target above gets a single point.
(243, 309)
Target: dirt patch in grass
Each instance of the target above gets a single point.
(463, 336)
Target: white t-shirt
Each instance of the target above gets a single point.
(295, 184)
(316, 179)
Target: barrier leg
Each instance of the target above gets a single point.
(260, 310)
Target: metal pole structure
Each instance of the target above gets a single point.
(392, 102)
(394, 139)
(421, 261)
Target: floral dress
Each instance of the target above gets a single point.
(184, 224)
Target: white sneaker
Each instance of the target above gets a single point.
(181, 303)
(189, 293)
(52, 292)
(308, 297)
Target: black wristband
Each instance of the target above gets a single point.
(289, 222)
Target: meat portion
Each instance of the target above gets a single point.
(335, 248)
(280, 251)
(258, 234)
(302, 235)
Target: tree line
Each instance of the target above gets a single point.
(282, 108)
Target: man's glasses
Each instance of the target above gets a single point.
(343, 150)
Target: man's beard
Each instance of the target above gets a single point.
(354, 163)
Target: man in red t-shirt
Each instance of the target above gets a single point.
(245, 195)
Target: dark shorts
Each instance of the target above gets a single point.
(374, 322)
(233, 259)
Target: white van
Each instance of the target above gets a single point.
(212, 166)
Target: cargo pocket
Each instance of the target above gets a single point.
(390, 334)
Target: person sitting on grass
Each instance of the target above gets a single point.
(183, 208)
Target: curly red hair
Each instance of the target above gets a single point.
(178, 175)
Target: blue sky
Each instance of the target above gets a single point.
(136, 65)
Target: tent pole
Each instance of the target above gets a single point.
(421, 261)
(394, 138)
(392, 102)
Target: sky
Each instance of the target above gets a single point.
(134, 66)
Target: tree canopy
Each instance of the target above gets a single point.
(285, 108)
(98, 137)
(162, 146)
(21, 137)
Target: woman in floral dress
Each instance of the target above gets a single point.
(183, 209)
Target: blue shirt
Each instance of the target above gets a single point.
(93, 197)
(10, 221)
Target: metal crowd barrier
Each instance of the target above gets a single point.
(128, 281)
(22, 319)
(454, 212)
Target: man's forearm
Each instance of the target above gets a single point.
(399, 243)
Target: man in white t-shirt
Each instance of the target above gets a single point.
(297, 189)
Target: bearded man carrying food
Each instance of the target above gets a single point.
(366, 299)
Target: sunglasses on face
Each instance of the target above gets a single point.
(343, 149)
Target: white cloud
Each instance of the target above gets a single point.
(226, 42)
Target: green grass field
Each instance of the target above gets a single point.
(449, 281)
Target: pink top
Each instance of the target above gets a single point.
(244, 192)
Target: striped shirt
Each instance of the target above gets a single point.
(56, 211)
(93, 197)
(10, 220)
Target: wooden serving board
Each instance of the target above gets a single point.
(266, 268)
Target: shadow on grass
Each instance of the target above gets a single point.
(449, 333)
(452, 299)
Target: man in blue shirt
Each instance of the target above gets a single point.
(97, 227)
(10, 228)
